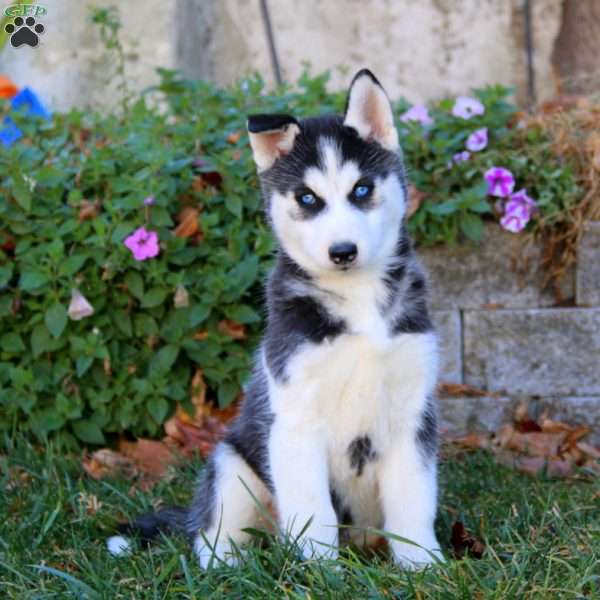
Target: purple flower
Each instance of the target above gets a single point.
(143, 244)
(149, 201)
(477, 140)
(419, 113)
(459, 157)
(500, 182)
(521, 203)
(466, 107)
(518, 211)
(513, 222)
(79, 307)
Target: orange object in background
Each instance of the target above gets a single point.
(7, 88)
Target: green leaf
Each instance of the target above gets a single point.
(56, 319)
(6, 272)
(32, 280)
(443, 208)
(88, 431)
(82, 364)
(72, 264)
(22, 193)
(234, 205)
(123, 322)
(163, 360)
(154, 297)
(135, 284)
(12, 342)
(472, 226)
(40, 340)
(227, 393)
(158, 409)
(243, 314)
(198, 314)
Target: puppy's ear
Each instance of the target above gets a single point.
(271, 136)
(368, 110)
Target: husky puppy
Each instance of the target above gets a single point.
(338, 424)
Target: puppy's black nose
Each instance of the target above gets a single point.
(343, 253)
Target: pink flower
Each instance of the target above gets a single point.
(466, 107)
(143, 244)
(419, 113)
(79, 307)
(478, 140)
(513, 222)
(500, 182)
(518, 211)
(521, 203)
(149, 201)
(459, 157)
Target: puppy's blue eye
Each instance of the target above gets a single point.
(362, 191)
(308, 199)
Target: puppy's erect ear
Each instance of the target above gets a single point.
(369, 111)
(271, 136)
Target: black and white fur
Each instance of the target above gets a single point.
(338, 423)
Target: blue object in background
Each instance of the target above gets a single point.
(28, 102)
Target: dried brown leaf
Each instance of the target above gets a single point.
(235, 330)
(464, 543)
(461, 389)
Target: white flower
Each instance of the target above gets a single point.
(466, 107)
(182, 298)
(79, 308)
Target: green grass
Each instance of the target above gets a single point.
(542, 536)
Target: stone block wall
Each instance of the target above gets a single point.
(501, 333)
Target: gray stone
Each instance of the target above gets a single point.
(448, 327)
(461, 415)
(588, 266)
(533, 352)
(490, 273)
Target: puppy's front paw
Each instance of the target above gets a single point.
(415, 557)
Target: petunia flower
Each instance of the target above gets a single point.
(500, 182)
(521, 203)
(79, 307)
(419, 113)
(182, 297)
(478, 140)
(143, 244)
(459, 157)
(149, 201)
(513, 222)
(466, 107)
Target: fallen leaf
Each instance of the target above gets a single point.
(472, 441)
(88, 210)
(535, 443)
(108, 463)
(461, 389)
(235, 330)
(90, 502)
(150, 456)
(188, 222)
(234, 138)
(463, 543)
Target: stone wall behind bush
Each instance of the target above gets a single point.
(501, 333)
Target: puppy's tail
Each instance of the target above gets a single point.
(147, 527)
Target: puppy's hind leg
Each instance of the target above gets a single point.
(227, 501)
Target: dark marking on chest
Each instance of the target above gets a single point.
(360, 453)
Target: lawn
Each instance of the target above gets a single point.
(542, 540)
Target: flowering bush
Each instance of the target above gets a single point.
(133, 248)
(467, 155)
